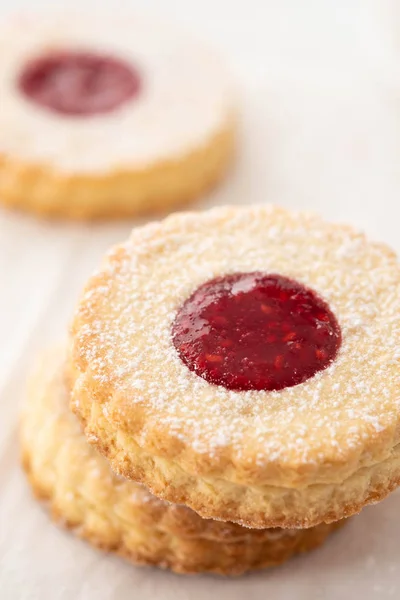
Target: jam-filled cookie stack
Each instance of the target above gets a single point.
(241, 363)
(109, 116)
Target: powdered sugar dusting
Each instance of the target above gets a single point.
(123, 333)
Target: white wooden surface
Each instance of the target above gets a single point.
(320, 92)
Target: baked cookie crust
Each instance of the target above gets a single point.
(42, 189)
(312, 453)
(123, 517)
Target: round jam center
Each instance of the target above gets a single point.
(79, 83)
(255, 331)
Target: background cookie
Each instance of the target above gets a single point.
(108, 116)
(121, 516)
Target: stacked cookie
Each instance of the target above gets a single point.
(241, 363)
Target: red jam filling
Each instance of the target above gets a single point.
(79, 83)
(254, 331)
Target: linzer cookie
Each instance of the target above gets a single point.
(122, 516)
(108, 116)
(245, 362)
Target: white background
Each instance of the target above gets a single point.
(319, 88)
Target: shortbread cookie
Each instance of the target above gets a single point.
(108, 116)
(121, 515)
(245, 362)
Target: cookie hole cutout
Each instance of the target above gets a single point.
(255, 331)
(79, 83)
